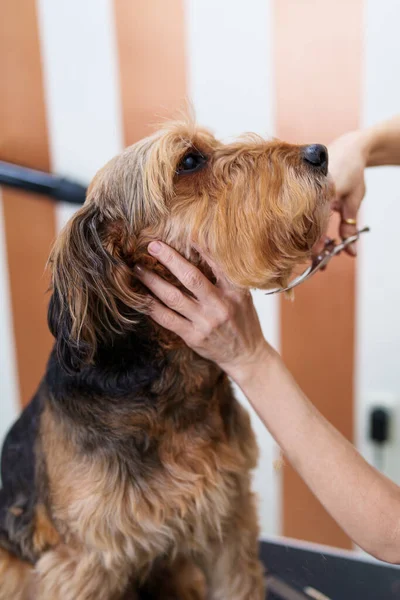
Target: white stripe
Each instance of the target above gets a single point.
(81, 85)
(378, 283)
(230, 85)
(9, 393)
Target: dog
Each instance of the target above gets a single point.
(131, 467)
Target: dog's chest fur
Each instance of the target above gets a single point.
(145, 456)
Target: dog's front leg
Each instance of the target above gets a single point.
(234, 570)
(16, 578)
(236, 576)
(66, 573)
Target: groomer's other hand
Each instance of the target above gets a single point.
(220, 323)
(347, 162)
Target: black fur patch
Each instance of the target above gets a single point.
(18, 494)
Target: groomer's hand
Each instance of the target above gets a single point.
(347, 162)
(220, 323)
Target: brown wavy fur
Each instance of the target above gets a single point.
(257, 208)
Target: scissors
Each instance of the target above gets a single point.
(319, 262)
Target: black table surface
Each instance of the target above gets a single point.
(335, 575)
(302, 571)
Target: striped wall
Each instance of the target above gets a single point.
(28, 221)
(81, 86)
(80, 80)
(9, 392)
(377, 374)
(317, 347)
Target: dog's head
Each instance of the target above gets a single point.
(256, 207)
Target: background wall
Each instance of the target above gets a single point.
(80, 80)
(377, 376)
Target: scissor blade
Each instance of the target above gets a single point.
(320, 262)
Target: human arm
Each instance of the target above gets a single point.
(221, 324)
(349, 156)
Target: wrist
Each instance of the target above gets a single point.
(247, 369)
(366, 142)
(374, 144)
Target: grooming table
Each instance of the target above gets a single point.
(294, 567)
(304, 571)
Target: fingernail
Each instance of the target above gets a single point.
(138, 269)
(154, 247)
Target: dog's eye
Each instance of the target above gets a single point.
(191, 162)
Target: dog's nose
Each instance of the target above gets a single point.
(317, 156)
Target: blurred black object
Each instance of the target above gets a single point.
(379, 425)
(58, 188)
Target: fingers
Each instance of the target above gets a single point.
(188, 275)
(179, 313)
(347, 231)
(170, 320)
(211, 299)
(349, 212)
(222, 282)
(170, 295)
(320, 245)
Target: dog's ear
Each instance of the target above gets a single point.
(94, 292)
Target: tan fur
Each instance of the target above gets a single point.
(45, 535)
(123, 526)
(16, 578)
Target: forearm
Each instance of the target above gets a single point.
(222, 326)
(364, 503)
(382, 143)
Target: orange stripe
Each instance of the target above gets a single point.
(29, 220)
(318, 54)
(151, 45)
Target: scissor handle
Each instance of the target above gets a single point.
(348, 241)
